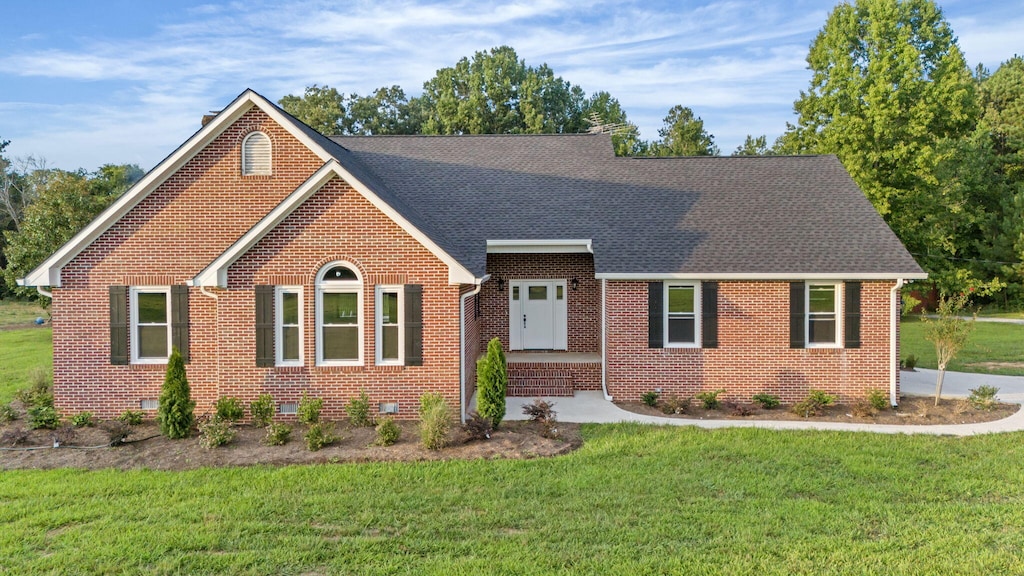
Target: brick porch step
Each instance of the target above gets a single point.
(532, 381)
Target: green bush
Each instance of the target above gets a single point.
(910, 363)
(175, 414)
(492, 383)
(39, 391)
(673, 404)
(230, 409)
(388, 431)
(650, 398)
(7, 414)
(983, 397)
(358, 410)
(320, 434)
(215, 431)
(131, 417)
(83, 419)
(813, 404)
(42, 417)
(767, 401)
(878, 399)
(435, 421)
(262, 410)
(709, 399)
(309, 409)
(277, 434)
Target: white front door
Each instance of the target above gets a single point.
(537, 315)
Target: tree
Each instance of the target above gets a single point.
(683, 135)
(320, 108)
(753, 147)
(492, 383)
(386, 111)
(949, 332)
(175, 413)
(605, 115)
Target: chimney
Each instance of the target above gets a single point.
(210, 116)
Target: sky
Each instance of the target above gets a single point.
(84, 84)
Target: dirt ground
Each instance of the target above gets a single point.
(913, 410)
(147, 449)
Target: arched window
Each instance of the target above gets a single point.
(256, 154)
(339, 317)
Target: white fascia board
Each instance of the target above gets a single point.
(48, 273)
(216, 274)
(760, 276)
(582, 246)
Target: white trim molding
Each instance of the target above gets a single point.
(324, 286)
(585, 246)
(763, 276)
(667, 315)
(134, 339)
(378, 323)
(279, 325)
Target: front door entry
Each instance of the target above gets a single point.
(537, 315)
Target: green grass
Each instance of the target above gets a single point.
(633, 500)
(15, 312)
(990, 342)
(21, 352)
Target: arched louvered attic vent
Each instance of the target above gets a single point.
(256, 154)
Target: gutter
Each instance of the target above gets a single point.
(604, 339)
(894, 361)
(462, 345)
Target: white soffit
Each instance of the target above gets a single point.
(540, 246)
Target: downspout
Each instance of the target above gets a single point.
(604, 339)
(42, 291)
(894, 361)
(216, 310)
(462, 346)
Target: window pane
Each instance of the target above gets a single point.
(289, 308)
(538, 293)
(341, 308)
(822, 330)
(515, 292)
(389, 307)
(558, 293)
(152, 341)
(340, 274)
(680, 330)
(680, 299)
(389, 342)
(341, 343)
(290, 344)
(152, 307)
(822, 298)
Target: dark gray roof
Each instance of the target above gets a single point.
(694, 215)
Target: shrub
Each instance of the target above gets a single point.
(7, 414)
(131, 417)
(492, 383)
(230, 409)
(309, 409)
(435, 421)
(983, 397)
(64, 435)
(863, 408)
(477, 427)
(878, 399)
(14, 436)
(215, 431)
(42, 417)
(388, 431)
(117, 431)
(83, 419)
(709, 399)
(358, 410)
(675, 405)
(767, 401)
(910, 363)
(278, 434)
(650, 398)
(320, 434)
(262, 410)
(539, 410)
(176, 405)
(737, 409)
(812, 405)
(40, 390)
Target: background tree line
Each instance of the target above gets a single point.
(935, 146)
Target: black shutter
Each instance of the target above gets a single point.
(265, 326)
(118, 324)
(851, 311)
(796, 315)
(655, 315)
(413, 325)
(179, 319)
(709, 314)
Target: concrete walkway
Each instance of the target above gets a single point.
(591, 407)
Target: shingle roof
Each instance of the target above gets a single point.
(694, 215)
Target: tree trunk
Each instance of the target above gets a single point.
(938, 384)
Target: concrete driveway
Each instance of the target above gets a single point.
(921, 382)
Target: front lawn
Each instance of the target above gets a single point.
(633, 500)
(21, 352)
(994, 348)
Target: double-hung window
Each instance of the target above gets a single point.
(390, 333)
(150, 338)
(339, 293)
(288, 324)
(823, 314)
(682, 315)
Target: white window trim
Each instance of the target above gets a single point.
(838, 343)
(350, 287)
(279, 293)
(379, 324)
(270, 156)
(696, 315)
(133, 337)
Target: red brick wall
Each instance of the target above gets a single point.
(473, 342)
(753, 354)
(583, 305)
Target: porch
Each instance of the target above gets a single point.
(532, 374)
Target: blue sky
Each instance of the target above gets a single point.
(88, 83)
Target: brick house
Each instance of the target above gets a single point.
(281, 261)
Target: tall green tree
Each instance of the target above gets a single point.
(753, 146)
(322, 108)
(605, 114)
(683, 135)
(386, 111)
(175, 413)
